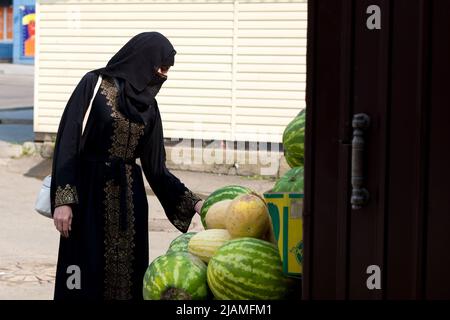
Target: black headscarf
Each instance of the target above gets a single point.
(134, 67)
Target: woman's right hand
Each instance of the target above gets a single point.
(62, 217)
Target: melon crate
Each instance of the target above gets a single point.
(286, 210)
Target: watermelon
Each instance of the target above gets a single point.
(205, 243)
(247, 269)
(294, 141)
(227, 192)
(176, 276)
(180, 243)
(292, 181)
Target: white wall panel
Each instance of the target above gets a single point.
(239, 73)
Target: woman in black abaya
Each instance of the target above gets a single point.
(98, 198)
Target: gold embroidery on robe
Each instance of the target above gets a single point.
(126, 133)
(185, 208)
(119, 244)
(66, 195)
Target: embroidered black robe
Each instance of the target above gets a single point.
(97, 175)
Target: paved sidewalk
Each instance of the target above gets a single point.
(16, 85)
(16, 102)
(29, 242)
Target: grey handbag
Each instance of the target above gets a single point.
(42, 204)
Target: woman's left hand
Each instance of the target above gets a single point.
(198, 206)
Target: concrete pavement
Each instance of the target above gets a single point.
(16, 102)
(16, 85)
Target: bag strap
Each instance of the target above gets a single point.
(86, 116)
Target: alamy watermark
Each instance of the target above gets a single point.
(74, 279)
(260, 152)
(373, 22)
(374, 280)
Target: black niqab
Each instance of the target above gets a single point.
(135, 67)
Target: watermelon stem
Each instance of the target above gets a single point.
(172, 293)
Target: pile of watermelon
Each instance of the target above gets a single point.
(233, 258)
(294, 152)
(236, 256)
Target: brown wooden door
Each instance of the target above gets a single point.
(399, 76)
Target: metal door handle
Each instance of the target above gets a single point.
(360, 195)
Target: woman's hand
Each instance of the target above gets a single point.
(198, 206)
(62, 218)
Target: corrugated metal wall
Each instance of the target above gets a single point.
(239, 72)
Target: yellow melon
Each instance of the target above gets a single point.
(247, 216)
(216, 217)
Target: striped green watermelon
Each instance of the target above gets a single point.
(180, 243)
(294, 141)
(176, 276)
(292, 181)
(228, 192)
(247, 269)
